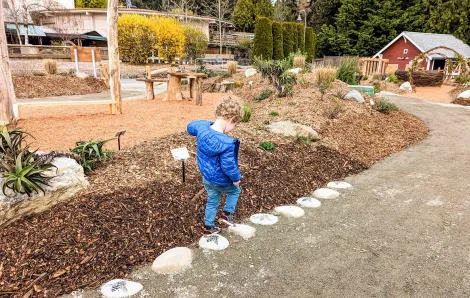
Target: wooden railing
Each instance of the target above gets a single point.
(373, 66)
(46, 52)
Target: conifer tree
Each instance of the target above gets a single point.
(300, 37)
(263, 42)
(264, 8)
(309, 44)
(244, 16)
(288, 38)
(278, 50)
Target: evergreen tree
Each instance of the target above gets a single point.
(331, 43)
(263, 42)
(278, 50)
(293, 28)
(264, 8)
(282, 12)
(309, 44)
(300, 37)
(244, 16)
(323, 12)
(288, 38)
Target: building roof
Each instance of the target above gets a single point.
(428, 41)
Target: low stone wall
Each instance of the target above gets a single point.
(68, 179)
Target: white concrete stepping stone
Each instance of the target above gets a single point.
(245, 231)
(120, 288)
(308, 202)
(173, 261)
(339, 185)
(325, 193)
(264, 219)
(213, 242)
(290, 211)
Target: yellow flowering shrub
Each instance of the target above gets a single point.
(171, 38)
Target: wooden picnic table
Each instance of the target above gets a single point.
(195, 86)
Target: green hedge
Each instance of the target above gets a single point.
(278, 49)
(263, 42)
(296, 36)
(310, 44)
(288, 38)
(301, 37)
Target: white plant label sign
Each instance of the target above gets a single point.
(180, 153)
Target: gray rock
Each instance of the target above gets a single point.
(173, 261)
(118, 288)
(355, 95)
(250, 72)
(295, 70)
(406, 86)
(67, 180)
(81, 75)
(464, 95)
(291, 129)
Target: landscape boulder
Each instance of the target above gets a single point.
(290, 211)
(406, 86)
(173, 261)
(81, 75)
(250, 72)
(325, 193)
(355, 95)
(464, 95)
(291, 129)
(295, 70)
(68, 179)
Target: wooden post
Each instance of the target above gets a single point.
(174, 88)
(149, 87)
(148, 73)
(192, 87)
(198, 91)
(113, 50)
(7, 93)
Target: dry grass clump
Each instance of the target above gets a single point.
(299, 61)
(324, 78)
(232, 67)
(50, 66)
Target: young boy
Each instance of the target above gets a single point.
(217, 158)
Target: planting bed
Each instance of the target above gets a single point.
(136, 206)
(56, 85)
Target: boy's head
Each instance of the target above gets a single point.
(230, 110)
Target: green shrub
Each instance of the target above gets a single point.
(377, 87)
(384, 106)
(347, 70)
(91, 153)
(196, 42)
(263, 42)
(295, 34)
(267, 146)
(300, 38)
(266, 122)
(246, 109)
(278, 74)
(393, 79)
(303, 140)
(274, 113)
(287, 38)
(278, 50)
(310, 44)
(365, 78)
(266, 93)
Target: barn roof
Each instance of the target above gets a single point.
(427, 41)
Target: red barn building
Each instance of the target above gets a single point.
(406, 46)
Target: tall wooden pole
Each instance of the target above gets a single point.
(113, 50)
(7, 93)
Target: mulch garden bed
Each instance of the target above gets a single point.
(137, 207)
(55, 85)
(461, 101)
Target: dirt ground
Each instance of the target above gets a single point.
(438, 94)
(142, 119)
(55, 85)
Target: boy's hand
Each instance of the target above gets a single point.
(236, 183)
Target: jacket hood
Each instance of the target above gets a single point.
(210, 141)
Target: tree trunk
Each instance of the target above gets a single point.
(113, 50)
(7, 93)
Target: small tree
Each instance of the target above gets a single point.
(282, 12)
(278, 50)
(244, 16)
(137, 38)
(264, 8)
(170, 37)
(222, 10)
(263, 43)
(300, 37)
(288, 38)
(293, 28)
(196, 42)
(310, 44)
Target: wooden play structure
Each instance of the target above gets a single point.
(373, 66)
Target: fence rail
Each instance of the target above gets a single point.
(46, 52)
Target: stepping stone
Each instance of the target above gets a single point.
(339, 185)
(213, 242)
(117, 288)
(325, 193)
(290, 211)
(308, 202)
(173, 261)
(245, 231)
(264, 219)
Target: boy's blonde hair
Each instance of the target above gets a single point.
(229, 108)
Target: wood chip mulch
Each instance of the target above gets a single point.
(137, 207)
(55, 85)
(460, 101)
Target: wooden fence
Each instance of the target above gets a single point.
(46, 52)
(373, 66)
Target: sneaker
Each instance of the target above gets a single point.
(227, 218)
(210, 230)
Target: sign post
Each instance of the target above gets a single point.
(181, 154)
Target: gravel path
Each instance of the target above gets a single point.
(401, 232)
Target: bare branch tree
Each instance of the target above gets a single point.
(221, 10)
(184, 7)
(66, 25)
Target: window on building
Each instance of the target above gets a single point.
(405, 51)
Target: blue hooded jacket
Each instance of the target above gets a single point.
(217, 153)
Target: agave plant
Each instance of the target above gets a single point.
(11, 140)
(25, 176)
(91, 153)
